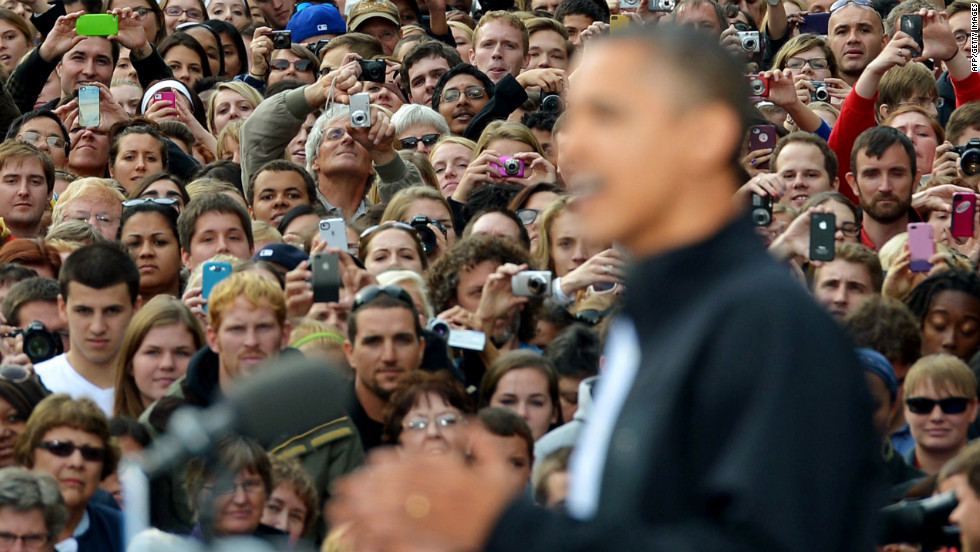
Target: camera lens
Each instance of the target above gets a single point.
(551, 103)
(758, 86)
(359, 118)
(970, 162)
(439, 327)
(749, 44)
(512, 167)
(821, 94)
(39, 347)
(761, 217)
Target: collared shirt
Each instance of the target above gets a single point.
(914, 216)
(336, 211)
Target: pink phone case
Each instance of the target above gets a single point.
(921, 246)
(964, 204)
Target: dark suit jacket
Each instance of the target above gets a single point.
(748, 426)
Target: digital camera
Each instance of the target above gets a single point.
(372, 70)
(360, 110)
(761, 209)
(282, 40)
(969, 156)
(428, 238)
(552, 103)
(39, 343)
(531, 283)
(662, 5)
(758, 86)
(509, 166)
(439, 327)
(821, 92)
(749, 40)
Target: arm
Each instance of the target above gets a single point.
(776, 23)
(267, 132)
(28, 79)
(8, 109)
(147, 62)
(396, 175)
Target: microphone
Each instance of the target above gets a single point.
(281, 400)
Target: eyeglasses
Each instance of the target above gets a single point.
(527, 216)
(949, 405)
(193, 13)
(283, 64)
(411, 141)
(442, 421)
(472, 92)
(32, 137)
(64, 449)
(32, 541)
(850, 229)
(924, 103)
(141, 11)
(961, 38)
(817, 64)
(85, 216)
(370, 293)
(334, 133)
(249, 487)
(168, 201)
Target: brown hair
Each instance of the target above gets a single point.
(514, 360)
(411, 389)
(965, 117)
(31, 252)
(233, 454)
(860, 255)
(902, 84)
(290, 472)
(61, 410)
(803, 43)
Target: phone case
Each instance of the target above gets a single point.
(964, 206)
(618, 23)
(326, 278)
(762, 137)
(921, 246)
(333, 232)
(88, 106)
(165, 97)
(911, 24)
(822, 229)
(97, 24)
(213, 272)
(815, 23)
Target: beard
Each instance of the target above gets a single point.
(885, 214)
(501, 338)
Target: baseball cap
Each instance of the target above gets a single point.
(288, 256)
(367, 9)
(314, 20)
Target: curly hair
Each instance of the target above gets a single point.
(954, 279)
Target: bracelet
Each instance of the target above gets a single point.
(952, 56)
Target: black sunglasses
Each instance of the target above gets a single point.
(168, 201)
(370, 293)
(412, 141)
(949, 405)
(14, 374)
(300, 64)
(64, 449)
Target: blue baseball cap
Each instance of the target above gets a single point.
(284, 254)
(315, 20)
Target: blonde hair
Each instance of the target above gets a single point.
(462, 27)
(232, 130)
(396, 275)
(254, 288)
(397, 208)
(546, 219)
(250, 94)
(943, 372)
(264, 232)
(506, 130)
(449, 139)
(98, 189)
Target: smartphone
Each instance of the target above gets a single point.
(921, 246)
(334, 233)
(823, 226)
(97, 24)
(964, 205)
(618, 23)
(88, 106)
(213, 272)
(911, 24)
(166, 97)
(762, 137)
(815, 23)
(326, 277)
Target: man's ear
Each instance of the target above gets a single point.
(62, 308)
(883, 111)
(473, 55)
(212, 337)
(185, 257)
(835, 184)
(852, 182)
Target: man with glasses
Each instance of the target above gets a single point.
(32, 511)
(384, 342)
(26, 182)
(460, 94)
(97, 304)
(45, 131)
(854, 274)
(940, 403)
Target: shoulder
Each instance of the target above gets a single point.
(336, 432)
(52, 366)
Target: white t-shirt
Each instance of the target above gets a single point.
(57, 375)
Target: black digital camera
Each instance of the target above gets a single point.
(372, 70)
(428, 238)
(761, 210)
(969, 156)
(282, 40)
(820, 93)
(39, 343)
(552, 103)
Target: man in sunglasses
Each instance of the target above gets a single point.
(384, 342)
(940, 403)
(26, 182)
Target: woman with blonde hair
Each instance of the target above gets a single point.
(230, 101)
(157, 347)
(421, 200)
(505, 152)
(450, 157)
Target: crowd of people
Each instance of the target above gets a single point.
(446, 203)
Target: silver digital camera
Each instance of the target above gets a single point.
(750, 41)
(360, 110)
(531, 283)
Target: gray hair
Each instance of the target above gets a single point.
(394, 276)
(24, 491)
(335, 112)
(410, 115)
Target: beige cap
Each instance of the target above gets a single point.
(366, 9)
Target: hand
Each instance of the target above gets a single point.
(67, 112)
(379, 138)
(458, 318)
(478, 172)
(61, 38)
(900, 279)
(761, 184)
(110, 112)
(536, 169)
(261, 48)
(730, 41)
(794, 242)
(604, 267)
(782, 89)
(937, 38)
(299, 290)
(947, 161)
(969, 247)
(936, 197)
(592, 32)
(498, 299)
(804, 88)
(838, 90)
(131, 33)
(160, 111)
(794, 20)
(343, 79)
(547, 79)
(756, 158)
(193, 300)
(896, 53)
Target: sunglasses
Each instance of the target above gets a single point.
(472, 92)
(527, 216)
(949, 405)
(64, 449)
(167, 201)
(14, 374)
(283, 64)
(370, 293)
(862, 3)
(412, 141)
